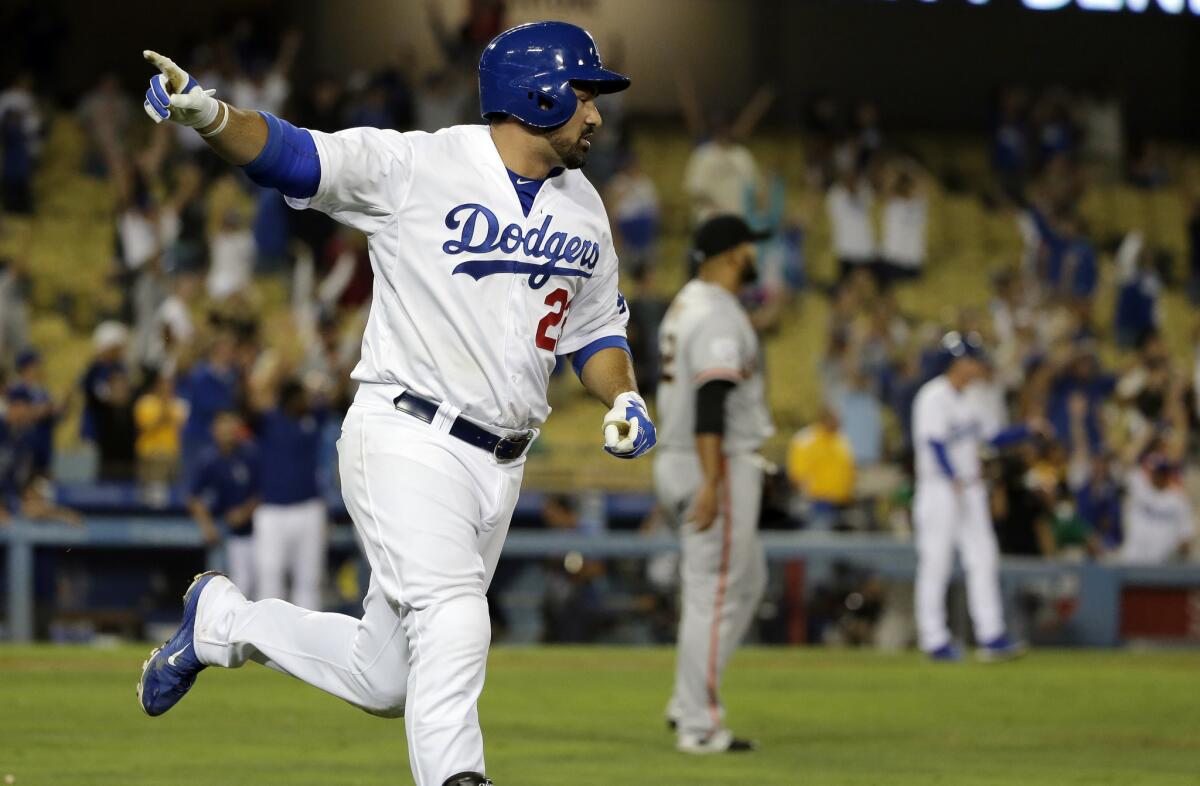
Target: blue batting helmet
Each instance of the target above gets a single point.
(526, 72)
(956, 345)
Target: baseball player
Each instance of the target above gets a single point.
(950, 509)
(707, 475)
(289, 524)
(225, 488)
(492, 255)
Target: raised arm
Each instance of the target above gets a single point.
(754, 111)
(689, 103)
(359, 177)
(236, 135)
(1176, 416)
(273, 152)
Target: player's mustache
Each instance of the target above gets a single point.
(588, 130)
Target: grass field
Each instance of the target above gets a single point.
(592, 717)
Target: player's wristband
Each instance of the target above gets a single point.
(224, 109)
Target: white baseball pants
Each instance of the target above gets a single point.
(946, 521)
(723, 577)
(432, 513)
(289, 542)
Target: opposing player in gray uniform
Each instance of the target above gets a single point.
(708, 476)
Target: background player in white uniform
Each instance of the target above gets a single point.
(492, 255)
(950, 509)
(708, 476)
(1157, 516)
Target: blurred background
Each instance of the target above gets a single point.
(1025, 169)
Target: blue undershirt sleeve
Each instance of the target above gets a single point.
(581, 356)
(288, 162)
(943, 457)
(1010, 436)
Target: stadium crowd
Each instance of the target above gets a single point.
(184, 384)
(1109, 479)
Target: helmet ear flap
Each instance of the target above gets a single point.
(549, 105)
(543, 101)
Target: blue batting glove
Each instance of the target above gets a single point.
(628, 430)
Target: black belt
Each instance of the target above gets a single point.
(503, 448)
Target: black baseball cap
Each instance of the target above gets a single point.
(719, 234)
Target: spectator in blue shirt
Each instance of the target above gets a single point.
(636, 214)
(16, 455)
(1098, 502)
(1080, 374)
(224, 490)
(289, 524)
(24, 489)
(1010, 144)
(373, 109)
(1055, 132)
(1079, 272)
(1092, 480)
(1068, 258)
(862, 418)
(211, 386)
(30, 376)
(1139, 288)
(18, 146)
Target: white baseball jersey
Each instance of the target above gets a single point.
(473, 299)
(956, 419)
(707, 335)
(947, 520)
(1156, 521)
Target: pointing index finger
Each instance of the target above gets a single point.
(175, 75)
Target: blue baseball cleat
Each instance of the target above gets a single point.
(947, 653)
(170, 671)
(999, 649)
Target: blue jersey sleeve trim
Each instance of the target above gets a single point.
(288, 162)
(582, 356)
(943, 457)
(1010, 436)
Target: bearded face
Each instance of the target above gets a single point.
(571, 144)
(572, 140)
(749, 262)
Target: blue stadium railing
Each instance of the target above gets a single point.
(1096, 621)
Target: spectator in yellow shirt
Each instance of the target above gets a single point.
(159, 415)
(821, 466)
